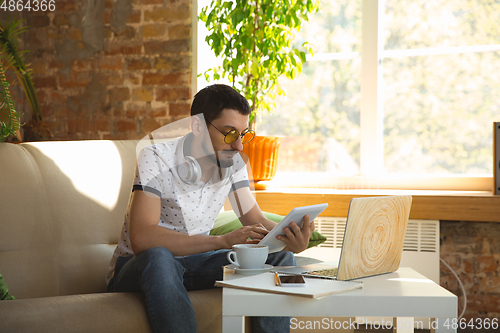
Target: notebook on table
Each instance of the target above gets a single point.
(373, 240)
(314, 288)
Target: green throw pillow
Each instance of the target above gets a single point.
(4, 291)
(227, 222)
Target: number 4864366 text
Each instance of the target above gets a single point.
(28, 5)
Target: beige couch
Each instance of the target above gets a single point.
(61, 211)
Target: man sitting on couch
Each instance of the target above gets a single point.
(180, 186)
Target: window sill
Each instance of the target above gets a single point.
(476, 206)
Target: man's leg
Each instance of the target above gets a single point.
(159, 275)
(202, 270)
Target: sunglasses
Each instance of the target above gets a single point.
(233, 135)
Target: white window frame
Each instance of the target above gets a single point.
(371, 117)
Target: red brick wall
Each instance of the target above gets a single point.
(113, 69)
(472, 249)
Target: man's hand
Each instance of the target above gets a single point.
(297, 239)
(241, 236)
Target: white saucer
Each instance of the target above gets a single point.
(250, 271)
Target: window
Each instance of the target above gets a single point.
(400, 94)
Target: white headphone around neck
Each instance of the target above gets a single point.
(189, 169)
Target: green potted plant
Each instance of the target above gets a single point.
(254, 39)
(10, 55)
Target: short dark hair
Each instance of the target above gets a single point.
(211, 100)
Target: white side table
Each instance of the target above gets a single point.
(402, 295)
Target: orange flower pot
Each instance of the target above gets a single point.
(262, 154)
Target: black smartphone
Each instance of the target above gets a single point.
(291, 280)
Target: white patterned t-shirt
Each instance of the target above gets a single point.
(186, 208)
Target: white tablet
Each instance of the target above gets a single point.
(296, 215)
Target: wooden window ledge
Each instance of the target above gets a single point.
(426, 205)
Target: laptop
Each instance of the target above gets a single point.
(373, 240)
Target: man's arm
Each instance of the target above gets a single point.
(249, 213)
(145, 233)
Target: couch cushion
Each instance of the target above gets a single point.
(104, 312)
(26, 249)
(117, 312)
(64, 204)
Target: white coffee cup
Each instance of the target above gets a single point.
(248, 256)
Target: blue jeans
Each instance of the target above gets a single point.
(165, 281)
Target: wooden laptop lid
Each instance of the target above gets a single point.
(374, 236)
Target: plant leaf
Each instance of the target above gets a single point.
(9, 119)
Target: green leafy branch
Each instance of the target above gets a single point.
(11, 56)
(255, 41)
(9, 119)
